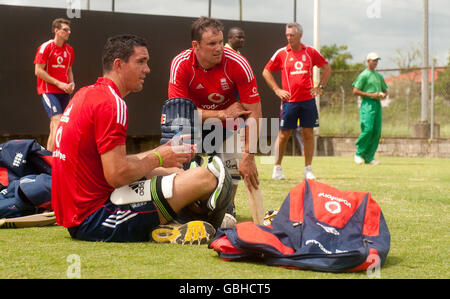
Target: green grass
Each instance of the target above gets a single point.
(413, 193)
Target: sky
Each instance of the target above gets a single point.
(382, 26)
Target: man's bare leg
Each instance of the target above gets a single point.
(280, 145)
(54, 122)
(190, 186)
(308, 143)
(280, 148)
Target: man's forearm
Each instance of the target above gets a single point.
(326, 71)
(46, 77)
(252, 127)
(207, 114)
(361, 93)
(120, 169)
(270, 80)
(70, 75)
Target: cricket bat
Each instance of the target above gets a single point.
(36, 220)
(256, 204)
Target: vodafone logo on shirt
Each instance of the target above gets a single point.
(298, 65)
(59, 60)
(216, 98)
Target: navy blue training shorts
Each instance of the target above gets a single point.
(55, 103)
(306, 111)
(132, 222)
(125, 223)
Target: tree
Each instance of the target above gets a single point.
(407, 58)
(337, 56)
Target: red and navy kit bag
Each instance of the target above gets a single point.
(25, 178)
(318, 227)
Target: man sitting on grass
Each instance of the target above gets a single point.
(102, 194)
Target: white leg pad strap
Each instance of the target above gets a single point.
(141, 191)
(167, 185)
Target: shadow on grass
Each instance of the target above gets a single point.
(392, 261)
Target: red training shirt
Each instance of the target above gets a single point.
(57, 60)
(94, 122)
(296, 70)
(216, 89)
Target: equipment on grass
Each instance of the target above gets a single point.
(269, 216)
(25, 178)
(255, 200)
(135, 192)
(220, 199)
(178, 118)
(193, 232)
(213, 211)
(36, 220)
(318, 228)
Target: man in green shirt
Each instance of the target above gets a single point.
(371, 87)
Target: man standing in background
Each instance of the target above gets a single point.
(295, 62)
(371, 87)
(236, 39)
(53, 69)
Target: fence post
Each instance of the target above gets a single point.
(407, 91)
(343, 110)
(432, 103)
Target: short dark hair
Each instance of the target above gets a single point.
(56, 24)
(233, 30)
(120, 46)
(202, 24)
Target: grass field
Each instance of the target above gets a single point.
(414, 195)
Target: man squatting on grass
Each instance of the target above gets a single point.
(91, 164)
(222, 85)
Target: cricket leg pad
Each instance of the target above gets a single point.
(221, 197)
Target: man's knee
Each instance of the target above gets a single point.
(308, 134)
(54, 121)
(203, 178)
(284, 135)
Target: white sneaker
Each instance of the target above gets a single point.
(374, 162)
(359, 160)
(278, 173)
(308, 174)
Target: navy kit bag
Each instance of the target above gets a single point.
(318, 227)
(25, 178)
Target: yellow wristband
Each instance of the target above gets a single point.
(160, 159)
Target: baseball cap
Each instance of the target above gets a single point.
(373, 56)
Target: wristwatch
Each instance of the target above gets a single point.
(320, 86)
